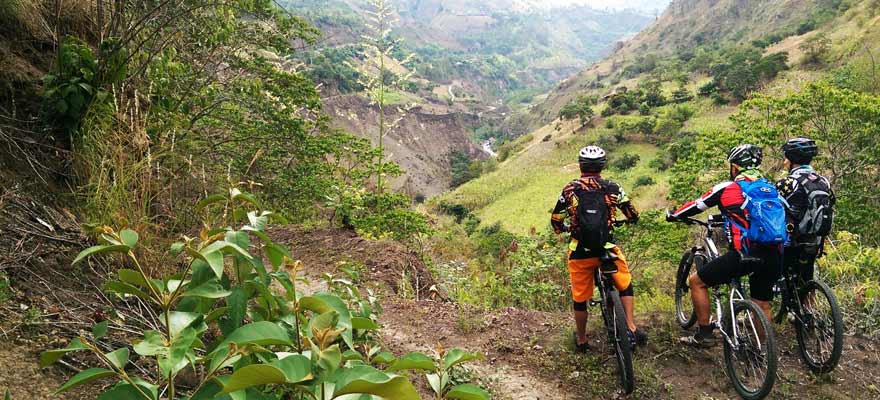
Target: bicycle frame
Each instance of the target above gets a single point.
(709, 250)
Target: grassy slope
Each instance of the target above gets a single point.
(522, 191)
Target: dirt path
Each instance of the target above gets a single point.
(20, 373)
(502, 337)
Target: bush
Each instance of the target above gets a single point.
(625, 161)
(643, 180)
(547, 138)
(661, 163)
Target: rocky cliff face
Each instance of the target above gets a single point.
(420, 144)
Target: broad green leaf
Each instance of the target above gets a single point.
(236, 304)
(99, 330)
(253, 375)
(468, 391)
(236, 194)
(214, 314)
(363, 323)
(126, 391)
(350, 355)
(458, 356)
(118, 357)
(215, 261)
(151, 345)
(208, 290)
(100, 249)
(413, 361)
(124, 288)
(176, 249)
(133, 277)
(384, 358)
(84, 377)
(129, 238)
(276, 254)
(368, 380)
(180, 320)
(51, 356)
(218, 361)
(323, 302)
(214, 198)
(329, 359)
(258, 222)
(177, 354)
(263, 333)
(435, 382)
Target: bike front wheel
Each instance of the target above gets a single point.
(751, 360)
(619, 338)
(820, 328)
(684, 307)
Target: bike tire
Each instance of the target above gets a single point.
(619, 338)
(684, 309)
(836, 319)
(769, 344)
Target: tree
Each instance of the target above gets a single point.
(815, 48)
(845, 124)
(581, 108)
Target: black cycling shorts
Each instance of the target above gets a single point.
(764, 275)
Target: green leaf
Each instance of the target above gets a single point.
(384, 358)
(214, 198)
(263, 333)
(435, 382)
(276, 254)
(118, 357)
(329, 359)
(51, 356)
(291, 369)
(129, 237)
(208, 290)
(363, 323)
(126, 391)
(253, 375)
(124, 288)
(350, 355)
(413, 361)
(368, 380)
(7, 396)
(133, 277)
(151, 345)
(323, 302)
(180, 348)
(468, 391)
(84, 377)
(180, 320)
(99, 330)
(95, 250)
(236, 194)
(458, 356)
(176, 249)
(258, 222)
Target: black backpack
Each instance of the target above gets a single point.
(819, 213)
(592, 217)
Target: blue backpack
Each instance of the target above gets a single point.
(766, 213)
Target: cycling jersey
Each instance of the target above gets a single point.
(728, 197)
(566, 206)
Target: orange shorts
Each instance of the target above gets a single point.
(581, 273)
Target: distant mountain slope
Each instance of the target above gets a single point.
(685, 25)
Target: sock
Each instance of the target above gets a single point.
(706, 330)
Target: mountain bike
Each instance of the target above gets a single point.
(813, 310)
(749, 342)
(614, 318)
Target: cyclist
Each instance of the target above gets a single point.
(583, 261)
(762, 262)
(804, 220)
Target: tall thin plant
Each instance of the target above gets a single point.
(377, 75)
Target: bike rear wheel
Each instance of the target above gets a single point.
(820, 328)
(684, 307)
(751, 366)
(619, 339)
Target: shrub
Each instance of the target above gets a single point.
(625, 161)
(643, 180)
(547, 138)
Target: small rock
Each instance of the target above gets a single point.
(574, 375)
(537, 347)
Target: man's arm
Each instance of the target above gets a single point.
(710, 199)
(557, 219)
(627, 207)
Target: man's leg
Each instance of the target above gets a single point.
(700, 299)
(581, 274)
(716, 272)
(628, 305)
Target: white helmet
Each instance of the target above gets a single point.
(593, 158)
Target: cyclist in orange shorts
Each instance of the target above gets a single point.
(582, 260)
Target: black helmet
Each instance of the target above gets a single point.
(800, 150)
(746, 156)
(592, 159)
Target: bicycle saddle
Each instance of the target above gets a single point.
(608, 257)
